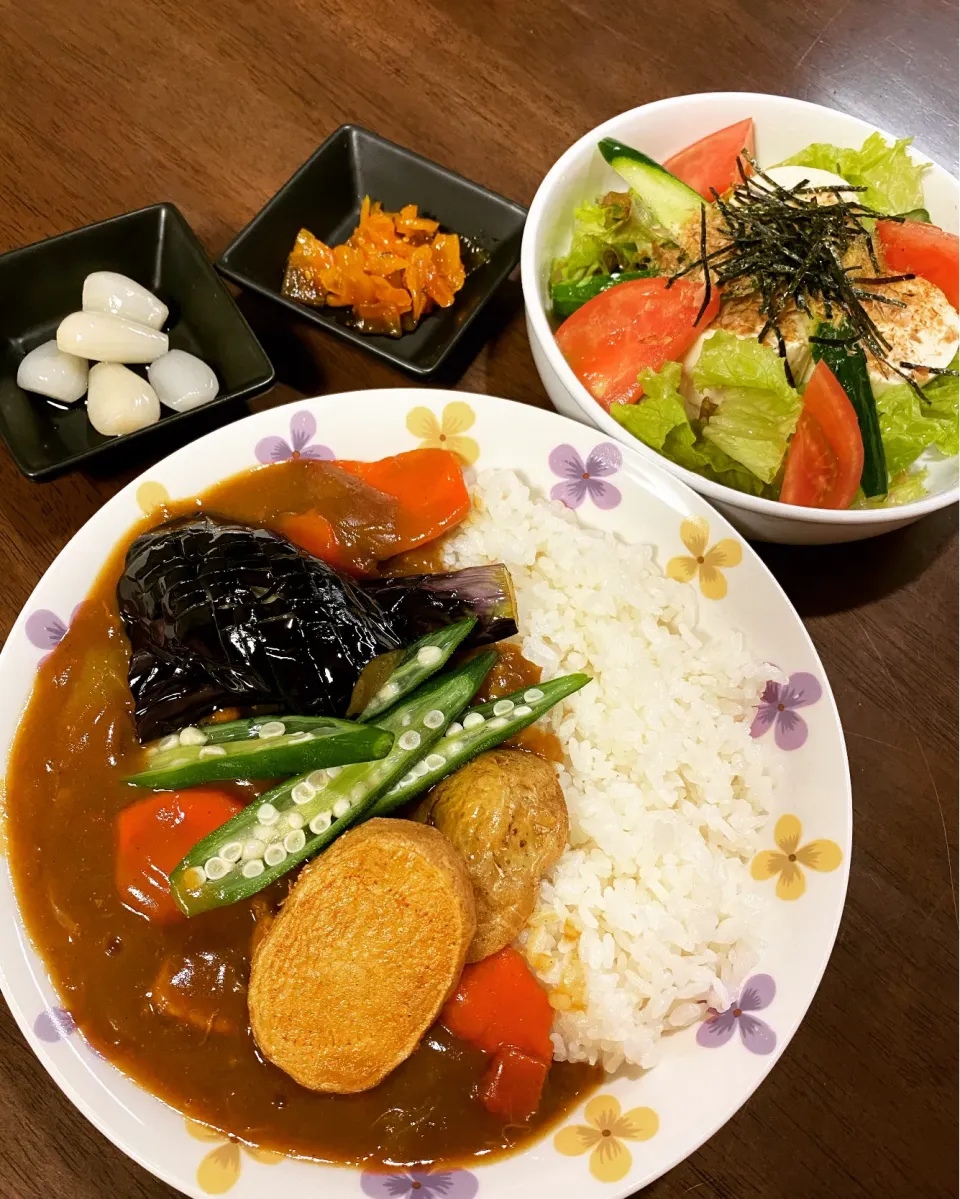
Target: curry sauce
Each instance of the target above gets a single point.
(166, 1003)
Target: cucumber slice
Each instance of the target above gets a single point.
(849, 363)
(671, 203)
(304, 815)
(568, 297)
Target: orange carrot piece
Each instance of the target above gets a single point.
(512, 1085)
(428, 485)
(152, 836)
(499, 1002)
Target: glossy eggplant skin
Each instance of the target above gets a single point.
(222, 614)
(418, 604)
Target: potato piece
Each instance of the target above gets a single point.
(366, 950)
(506, 815)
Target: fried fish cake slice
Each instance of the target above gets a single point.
(369, 945)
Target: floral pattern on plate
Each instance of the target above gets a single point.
(706, 565)
(778, 707)
(604, 1134)
(758, 993)
(785, 861)
(151, 496)
(581, 479)
(54, 1024)
(220, 1169)
(303, 427)
(447, 433)
(420, 1184)
(46, 630)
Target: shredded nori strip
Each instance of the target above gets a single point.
(792, 249)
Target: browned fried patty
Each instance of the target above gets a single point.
(367, 948)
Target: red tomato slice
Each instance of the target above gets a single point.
(712, 161)
(923, 250)
(811, 471)
(628, 328)
(152, 836)
(825, 459)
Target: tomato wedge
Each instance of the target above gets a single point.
(712, 161)
(152, 836)
(825, 458)
(923, 250)
(627, 328)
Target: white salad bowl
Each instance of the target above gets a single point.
(697, 1086)
(783, 127)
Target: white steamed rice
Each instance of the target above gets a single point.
(648, 915)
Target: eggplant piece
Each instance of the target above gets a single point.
(418, 604)
(220, 613)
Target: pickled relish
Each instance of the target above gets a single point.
(391, 272)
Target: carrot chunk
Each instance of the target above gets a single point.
(152, 836)
(499, 1002)
(512, 1085)
(428, 485)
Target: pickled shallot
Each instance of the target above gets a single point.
(391, 272)
(50, 372)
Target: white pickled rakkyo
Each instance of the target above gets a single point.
(103, 337)
(182, 381)
(108, 291)
(50, 372)
(119, 401)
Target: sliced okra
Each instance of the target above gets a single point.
(273, 753)
(480, 729)
(302, 816)
(423, 659)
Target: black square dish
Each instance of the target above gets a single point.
(42, 283)
(325, 195)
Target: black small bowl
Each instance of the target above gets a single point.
(325, 195)
(42, 283)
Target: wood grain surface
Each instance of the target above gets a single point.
(106, 107)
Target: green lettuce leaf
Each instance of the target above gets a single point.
(893, 180)
(908, 426)
(607, 237)
(908, 486)
(659, 419)
(755, 408)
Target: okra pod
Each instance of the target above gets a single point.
(423, 659)
(302, 816)
(481, 729)
(273, 753)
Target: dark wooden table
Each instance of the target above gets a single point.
(106, 107)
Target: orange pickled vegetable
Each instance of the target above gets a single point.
(512, 1085)
(498, 1002)
(392, 270)
(428, 486)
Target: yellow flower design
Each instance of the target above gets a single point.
(707, 563)
(220, 1169)
(785, 862)
(604, 1133)
(151, 496)
(447, 433)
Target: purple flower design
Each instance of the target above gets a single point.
(54, 1024)
(758, 992)
(420, 1184)
(303, 425)
(778, 706)
(45, 629)
(581, 479)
